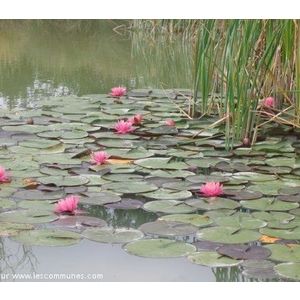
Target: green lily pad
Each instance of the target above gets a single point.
(167, 194)
(7, 228)
(293, 233)
(112, 235)
(161, 163)
(37, 204)
(240, 220)
(159, 248)
(254, 177)
(66, 221)
(38, 195)
(123, 177)
(206, 178)
(273, 216)
(63, 181)
(196, 220)
(47, 238)
(204, 162)
(28, 216)
(212, 259)
(228, 235)
(269, 204)
(168, 228)
(289, 270)
(100, 198)
(286, 253)
(40, 143)
(212, 203)
(169, 207)
(130, 187)
(6, 203)
(74, 134)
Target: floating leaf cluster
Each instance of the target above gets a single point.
(156, 170)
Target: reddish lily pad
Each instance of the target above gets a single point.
(244, 252)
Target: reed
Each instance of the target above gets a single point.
(236, 64)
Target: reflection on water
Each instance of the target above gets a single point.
(39, 60)
(15, 259)
(37, 63)
(122, 218)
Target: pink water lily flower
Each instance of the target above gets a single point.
(4, 177)
(170, 123)
(212, 189)
(99, 158)
(68, 205)
(269, 102)
(123, 127)
(136, 120)
(118, 91)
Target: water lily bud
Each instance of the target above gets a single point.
(30, 121)
(246, 142)
(192, 168)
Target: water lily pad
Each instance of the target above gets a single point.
(28, 216)
(100, 198)
(130, 187)
(293, 233)
(161, 130)
(257, 264)
(6, 203)
(7, 228)
(254, 177)
(203, 162)
(40, 143)
(123, 177)
(244, 252)
(126, 204)
(47, 238)
(228, 235)
(159, 248)
(243, 194)
(77, 134)
(182, 186)
(37, 204)
(289, 270)
(232, 167)
(207, 246)
(79, 222)
(38, 195)
(63, 181)
(212, 259)
(215, 214)
(289, 198)
(261, 273)
(161, 163)
(240, 220)
(168, 228)
(169, 207)
(286, 253)
(269, 204)
(167, 194)
(196, 220)
(273, 216)
(206, 178)
(212, 203)
(113, 235)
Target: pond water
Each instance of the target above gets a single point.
(41, 64)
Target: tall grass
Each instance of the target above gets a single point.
(236, 64)
(245, 61)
